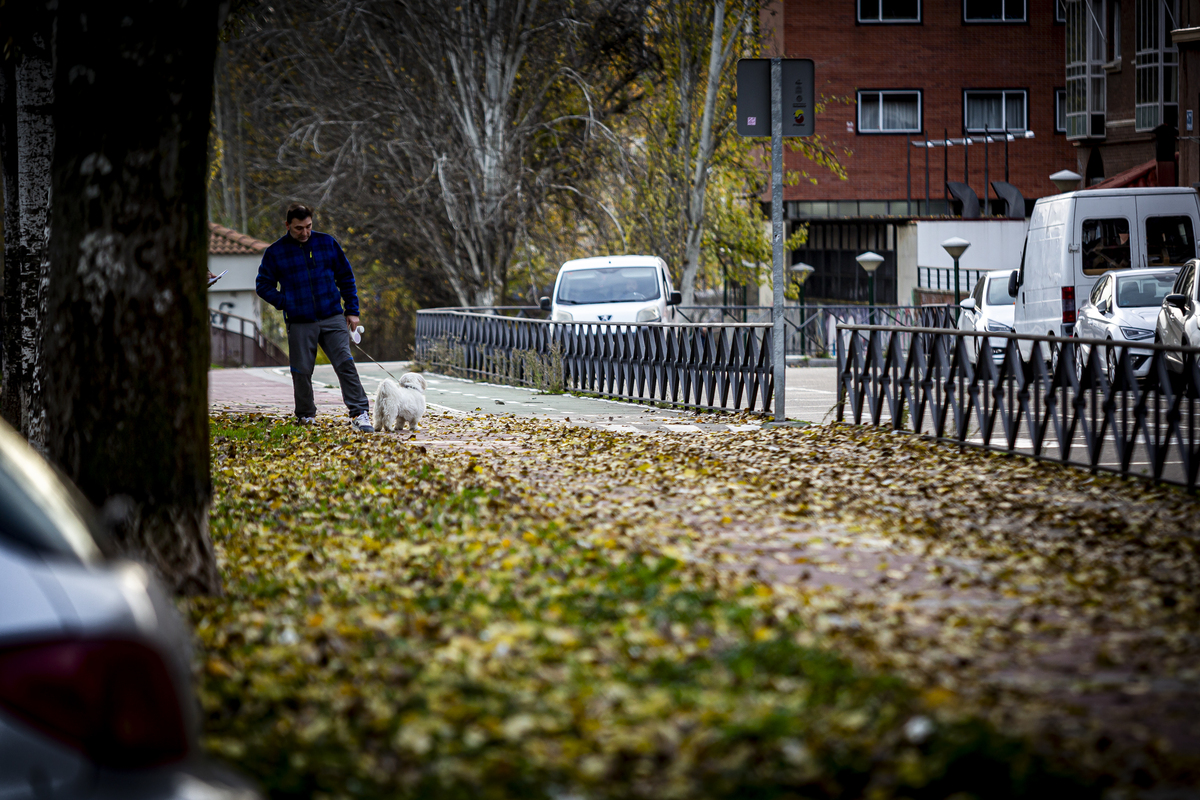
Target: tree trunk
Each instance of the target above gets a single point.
(9, 170)
(28, 145)
(126, 397)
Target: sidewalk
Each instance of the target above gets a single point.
(810, 397)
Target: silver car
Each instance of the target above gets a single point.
(989, 308)
(1179, 315)
(1122, 307)
(95, 682)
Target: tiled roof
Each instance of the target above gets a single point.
(1141, 175)
(224, 241)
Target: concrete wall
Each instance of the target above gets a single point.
(234, 293)
(995, 244)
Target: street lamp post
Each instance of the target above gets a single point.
(1066, 180)
(956, 247)
(802, 271)
(870, 262)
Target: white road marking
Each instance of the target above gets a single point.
(682, 428)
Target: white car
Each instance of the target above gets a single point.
(613, 289)
(1123, 307)
(95, 679)
(989, 308)
(1178, 320)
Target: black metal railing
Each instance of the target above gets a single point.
(700, 366)
(941, 279)
(810, 331)
(239, 342)
(1129, 408)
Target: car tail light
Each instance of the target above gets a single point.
(1068, 303)
(112, 700)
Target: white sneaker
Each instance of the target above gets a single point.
(305, 420)
(362, 423)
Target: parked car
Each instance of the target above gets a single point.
(1123, 307)
(989, 308)
(95, 679)
(1178, 321)
(1076, 237)
(613, 289)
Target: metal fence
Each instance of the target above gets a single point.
(812, 330)
(941, 279)
(700, 366)
(238, 342)
(1132, 409)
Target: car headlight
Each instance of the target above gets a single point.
(1136, 333)
(562, 316)
(998, 327)
(651, 314)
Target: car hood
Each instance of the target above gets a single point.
(1137, 317)
(1004, 314)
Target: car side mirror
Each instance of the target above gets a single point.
(968, 304)
(544, 303)
(675, 299)
(1178, 300)
(1013, 283)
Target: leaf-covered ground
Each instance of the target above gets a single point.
(512, 608)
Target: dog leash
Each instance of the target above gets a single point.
(368, 355)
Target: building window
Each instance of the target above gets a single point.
(995, 110)
(1060, 11)
(889, 111)
(1086, 78)
(994, 10)
(1060, 110)
(1156, 93)
(889, 11)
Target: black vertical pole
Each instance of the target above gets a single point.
(926, 135)
(946, 170)
(966, 158)
(986, 190)
(908, 170)
(1006, 156)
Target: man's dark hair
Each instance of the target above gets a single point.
(297, 211)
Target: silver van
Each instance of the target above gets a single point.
(1076, 237)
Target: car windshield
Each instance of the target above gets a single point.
(608, 285)
(1143, 291)
(997, 291)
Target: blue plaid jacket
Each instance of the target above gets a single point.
(308, 281)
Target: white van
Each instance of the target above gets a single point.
(613, 289)
(1076, 237)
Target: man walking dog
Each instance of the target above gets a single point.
(306, 275)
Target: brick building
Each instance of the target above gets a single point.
(898, 71)
(1133, 81)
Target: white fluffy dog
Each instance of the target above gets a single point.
(398, 403)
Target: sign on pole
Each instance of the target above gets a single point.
(754, 96)
(775, 98)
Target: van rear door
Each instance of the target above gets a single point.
(1166, 225)
(1103, 237)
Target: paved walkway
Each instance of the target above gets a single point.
(810, 397)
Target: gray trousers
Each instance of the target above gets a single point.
(334, 338)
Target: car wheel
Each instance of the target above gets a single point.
(1179, 379)
(1110, 363)
(1080, 361)
(1053, 352)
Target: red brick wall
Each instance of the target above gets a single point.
(942, 57)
